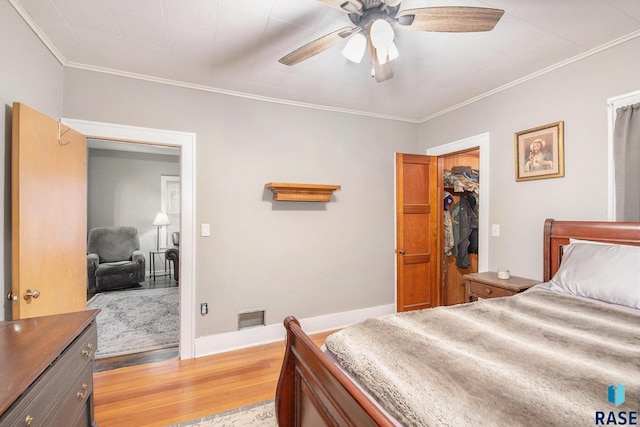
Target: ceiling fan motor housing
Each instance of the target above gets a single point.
(372, 10)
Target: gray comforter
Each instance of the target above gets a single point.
(534, 359)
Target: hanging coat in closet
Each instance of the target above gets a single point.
(449, 241)
(465, 219)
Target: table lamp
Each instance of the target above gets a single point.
(160, 220)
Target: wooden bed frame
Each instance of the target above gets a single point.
(313, 391)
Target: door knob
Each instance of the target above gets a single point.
(31, 294)
(401, 251)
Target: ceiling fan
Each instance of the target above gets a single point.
(373, 24)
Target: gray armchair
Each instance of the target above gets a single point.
(114, 258)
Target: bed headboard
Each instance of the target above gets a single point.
(557, 234)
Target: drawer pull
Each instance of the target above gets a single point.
(487, 291)
(83, 394)
(28, 420)
(87, 352)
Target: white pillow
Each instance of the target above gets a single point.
(605, 272)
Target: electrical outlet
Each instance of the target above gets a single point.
(204, 308)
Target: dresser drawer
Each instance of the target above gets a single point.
(83, 349)
(41, 401)
(74, 400)
(486, 291)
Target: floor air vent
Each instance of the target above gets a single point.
(249, 319)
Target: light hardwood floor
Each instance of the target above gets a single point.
(173, 391)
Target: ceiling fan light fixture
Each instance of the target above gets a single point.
(381, 33)
(387, 54)
(355, 48)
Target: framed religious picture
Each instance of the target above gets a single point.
(540, 152)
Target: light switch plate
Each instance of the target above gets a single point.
(205, 230)
(495, 230)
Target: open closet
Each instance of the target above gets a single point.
(460, 180)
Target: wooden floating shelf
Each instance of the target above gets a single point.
(284, 191)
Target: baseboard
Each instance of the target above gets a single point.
(228, 341)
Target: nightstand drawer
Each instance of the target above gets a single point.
(485, 291)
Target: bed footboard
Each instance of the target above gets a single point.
(312, 391)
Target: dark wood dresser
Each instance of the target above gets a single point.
(46, 367)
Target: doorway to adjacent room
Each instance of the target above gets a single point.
(185, 142)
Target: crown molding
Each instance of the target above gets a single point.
(58, 55)
(539, 73)
(212, 89)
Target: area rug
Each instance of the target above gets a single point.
(135, 321)
(260, 414)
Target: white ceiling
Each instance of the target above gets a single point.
(233, 46)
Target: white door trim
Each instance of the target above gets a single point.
(186, 142)
(612, 105)
(481, 141)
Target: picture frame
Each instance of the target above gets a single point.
(170, 204)
(539, 152)
(170, 194)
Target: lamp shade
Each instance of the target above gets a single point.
(381, 33)
(355, 48)
(161, 219)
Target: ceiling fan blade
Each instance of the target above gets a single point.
(317, 46)
(451, 19)
(339, 4)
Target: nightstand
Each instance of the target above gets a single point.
(487, 285)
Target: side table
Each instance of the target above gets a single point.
(152, 264)
(488, 285)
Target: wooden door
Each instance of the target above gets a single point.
(49, 216)
(417, 224)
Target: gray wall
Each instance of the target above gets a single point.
(124, 189)
(28, 74)
(305, 259)
(309, 259)
(576, 94)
